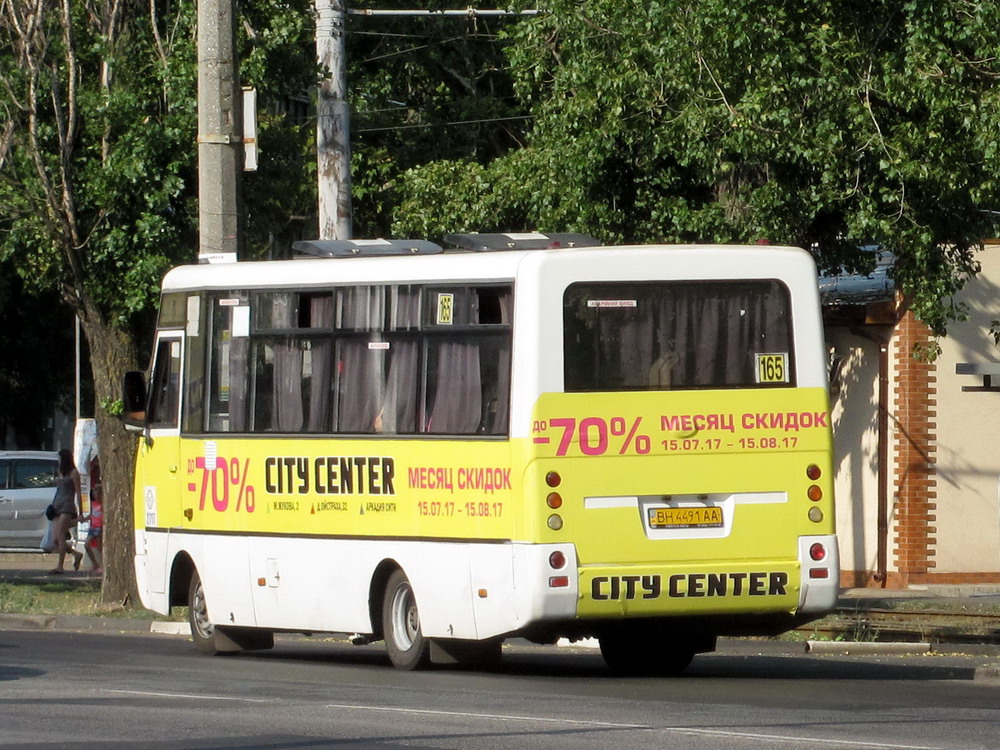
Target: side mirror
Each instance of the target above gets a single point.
(134, 401)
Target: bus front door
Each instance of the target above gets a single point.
(158, 474)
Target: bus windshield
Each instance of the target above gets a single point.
(677, 335)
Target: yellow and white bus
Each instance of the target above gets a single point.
(529, 435)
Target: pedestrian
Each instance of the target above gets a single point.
(93, 545)
(66, 506)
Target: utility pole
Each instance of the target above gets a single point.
(220, 134)
(333, 130)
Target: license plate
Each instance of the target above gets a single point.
(709, 517)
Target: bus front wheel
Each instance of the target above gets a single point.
(213, 639)
(408, 648)
(202, 628)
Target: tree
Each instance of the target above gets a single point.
(97, 173)
(822, 123)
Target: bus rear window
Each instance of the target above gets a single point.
(677, 335)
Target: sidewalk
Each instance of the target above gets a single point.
(33, 566)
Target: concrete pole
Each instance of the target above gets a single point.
(220, 133)
(333, 131)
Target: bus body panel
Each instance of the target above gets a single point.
(468, 591)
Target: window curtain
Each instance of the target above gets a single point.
(320, 381)
(235, 356)
(458, 397)
(497, 423)
(361, 366)
(687, 336)
(287, 381)
(398, 411)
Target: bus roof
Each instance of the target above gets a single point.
(626, 262)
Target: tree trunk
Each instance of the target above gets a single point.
(113, 352)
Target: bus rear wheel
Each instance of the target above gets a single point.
(636, 652)
(407, 647)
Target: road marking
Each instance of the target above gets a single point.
(552, 720)
(790, 738)
(646, 727)
(498, 717)
(199, 696)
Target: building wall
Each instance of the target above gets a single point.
(943, 449)
(854, 406)
(967, 548)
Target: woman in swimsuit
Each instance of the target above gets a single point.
(67, 508)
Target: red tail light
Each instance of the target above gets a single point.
(817, 552)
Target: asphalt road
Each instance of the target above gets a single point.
(105, 690)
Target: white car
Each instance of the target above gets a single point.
(27, 486)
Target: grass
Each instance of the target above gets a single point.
(69, 598)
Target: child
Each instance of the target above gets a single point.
(96, 518)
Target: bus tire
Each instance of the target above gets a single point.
(203, 631)
(407, 647)
(629, 651)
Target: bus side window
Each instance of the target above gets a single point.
(468, 383)
(165, 382)
(228, 366)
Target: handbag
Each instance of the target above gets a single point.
(50, 512)
(48, 543)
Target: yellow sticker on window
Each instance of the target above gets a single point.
(772, 368)
(446, 309)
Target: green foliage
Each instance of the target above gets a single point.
(424, 90)
(113, 406)
(822, 123)
(117, 204)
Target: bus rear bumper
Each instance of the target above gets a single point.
(544, 592)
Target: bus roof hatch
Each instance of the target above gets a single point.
(364, 248)
(521, 241)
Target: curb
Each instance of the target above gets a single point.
(170, 628)
(27, 622)
(990, 673)
(866, 647)
(91, 624)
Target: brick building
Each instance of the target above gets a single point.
(917, 445)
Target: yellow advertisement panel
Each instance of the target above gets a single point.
(684, 501)
(661, 423)
(435, 489)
